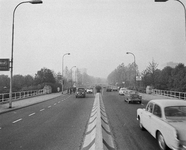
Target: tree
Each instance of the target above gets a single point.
(150, 74)
(165, 78)
(29, 80)
(4, 83)
(44, 76)
(178, 78)
(18, 82)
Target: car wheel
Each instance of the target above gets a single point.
(161, 142)
(140, 125)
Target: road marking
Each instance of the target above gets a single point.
(49, 106)
(42, 109)
(32, 114)
(17, 120)
(0, 128)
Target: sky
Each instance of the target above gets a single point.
(96, 33)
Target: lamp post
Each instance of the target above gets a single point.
(62, 70)
(183, 7)
(12, 48)
(134, 68)
(71, 75)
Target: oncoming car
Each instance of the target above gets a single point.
(89, 90)
(165, 120)
(122, 91)
(80, 92)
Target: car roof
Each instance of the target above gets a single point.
(169, 102)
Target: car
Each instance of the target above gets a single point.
(165, 120)
(109, 89)
(122, 91)
(89, 90)
(132, 96)
(80, 92)
(115, 88)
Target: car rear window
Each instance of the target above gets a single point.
(81, 89)
(175, 111)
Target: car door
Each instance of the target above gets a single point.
(147, 116)
(156, 120)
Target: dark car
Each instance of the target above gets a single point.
(80, 92)
(109, 89)
(132, 96)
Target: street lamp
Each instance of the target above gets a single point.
(71, 73)
(134, 68)
(12, 48)
(62, 70)
(183, 7)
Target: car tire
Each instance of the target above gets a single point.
(141, 125)
(161, 142)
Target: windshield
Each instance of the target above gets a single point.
(175, 111)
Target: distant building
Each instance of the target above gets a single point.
(170, 64)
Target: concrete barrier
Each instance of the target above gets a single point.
(98, 134)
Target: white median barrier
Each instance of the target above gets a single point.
(98, 134)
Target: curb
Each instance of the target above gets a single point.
(98, 134)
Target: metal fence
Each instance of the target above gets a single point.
(174, 94)
(4, 97)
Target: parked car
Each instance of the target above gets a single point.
(89, 90)
(132, 96)
(165, 120)
(122, 91)
(80, 92)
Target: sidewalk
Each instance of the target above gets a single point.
(27, 102)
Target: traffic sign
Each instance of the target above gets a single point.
(4, 64)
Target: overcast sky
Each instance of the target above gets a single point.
(97, 33)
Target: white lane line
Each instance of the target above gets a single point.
(54, 103)
(17, 120)
(49, 106)
(31, 114)
(42, 109)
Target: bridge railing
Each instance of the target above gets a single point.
(4, 97)
(174, 94)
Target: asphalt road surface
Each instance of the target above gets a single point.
(60, 124)
(57, 124)
(124, 126)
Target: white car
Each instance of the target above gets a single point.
(122, 91)
(165, 120)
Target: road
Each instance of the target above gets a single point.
(124, 126)
(60, 124)
(57, 124)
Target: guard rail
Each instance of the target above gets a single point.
(4, 97)
(174, 94)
